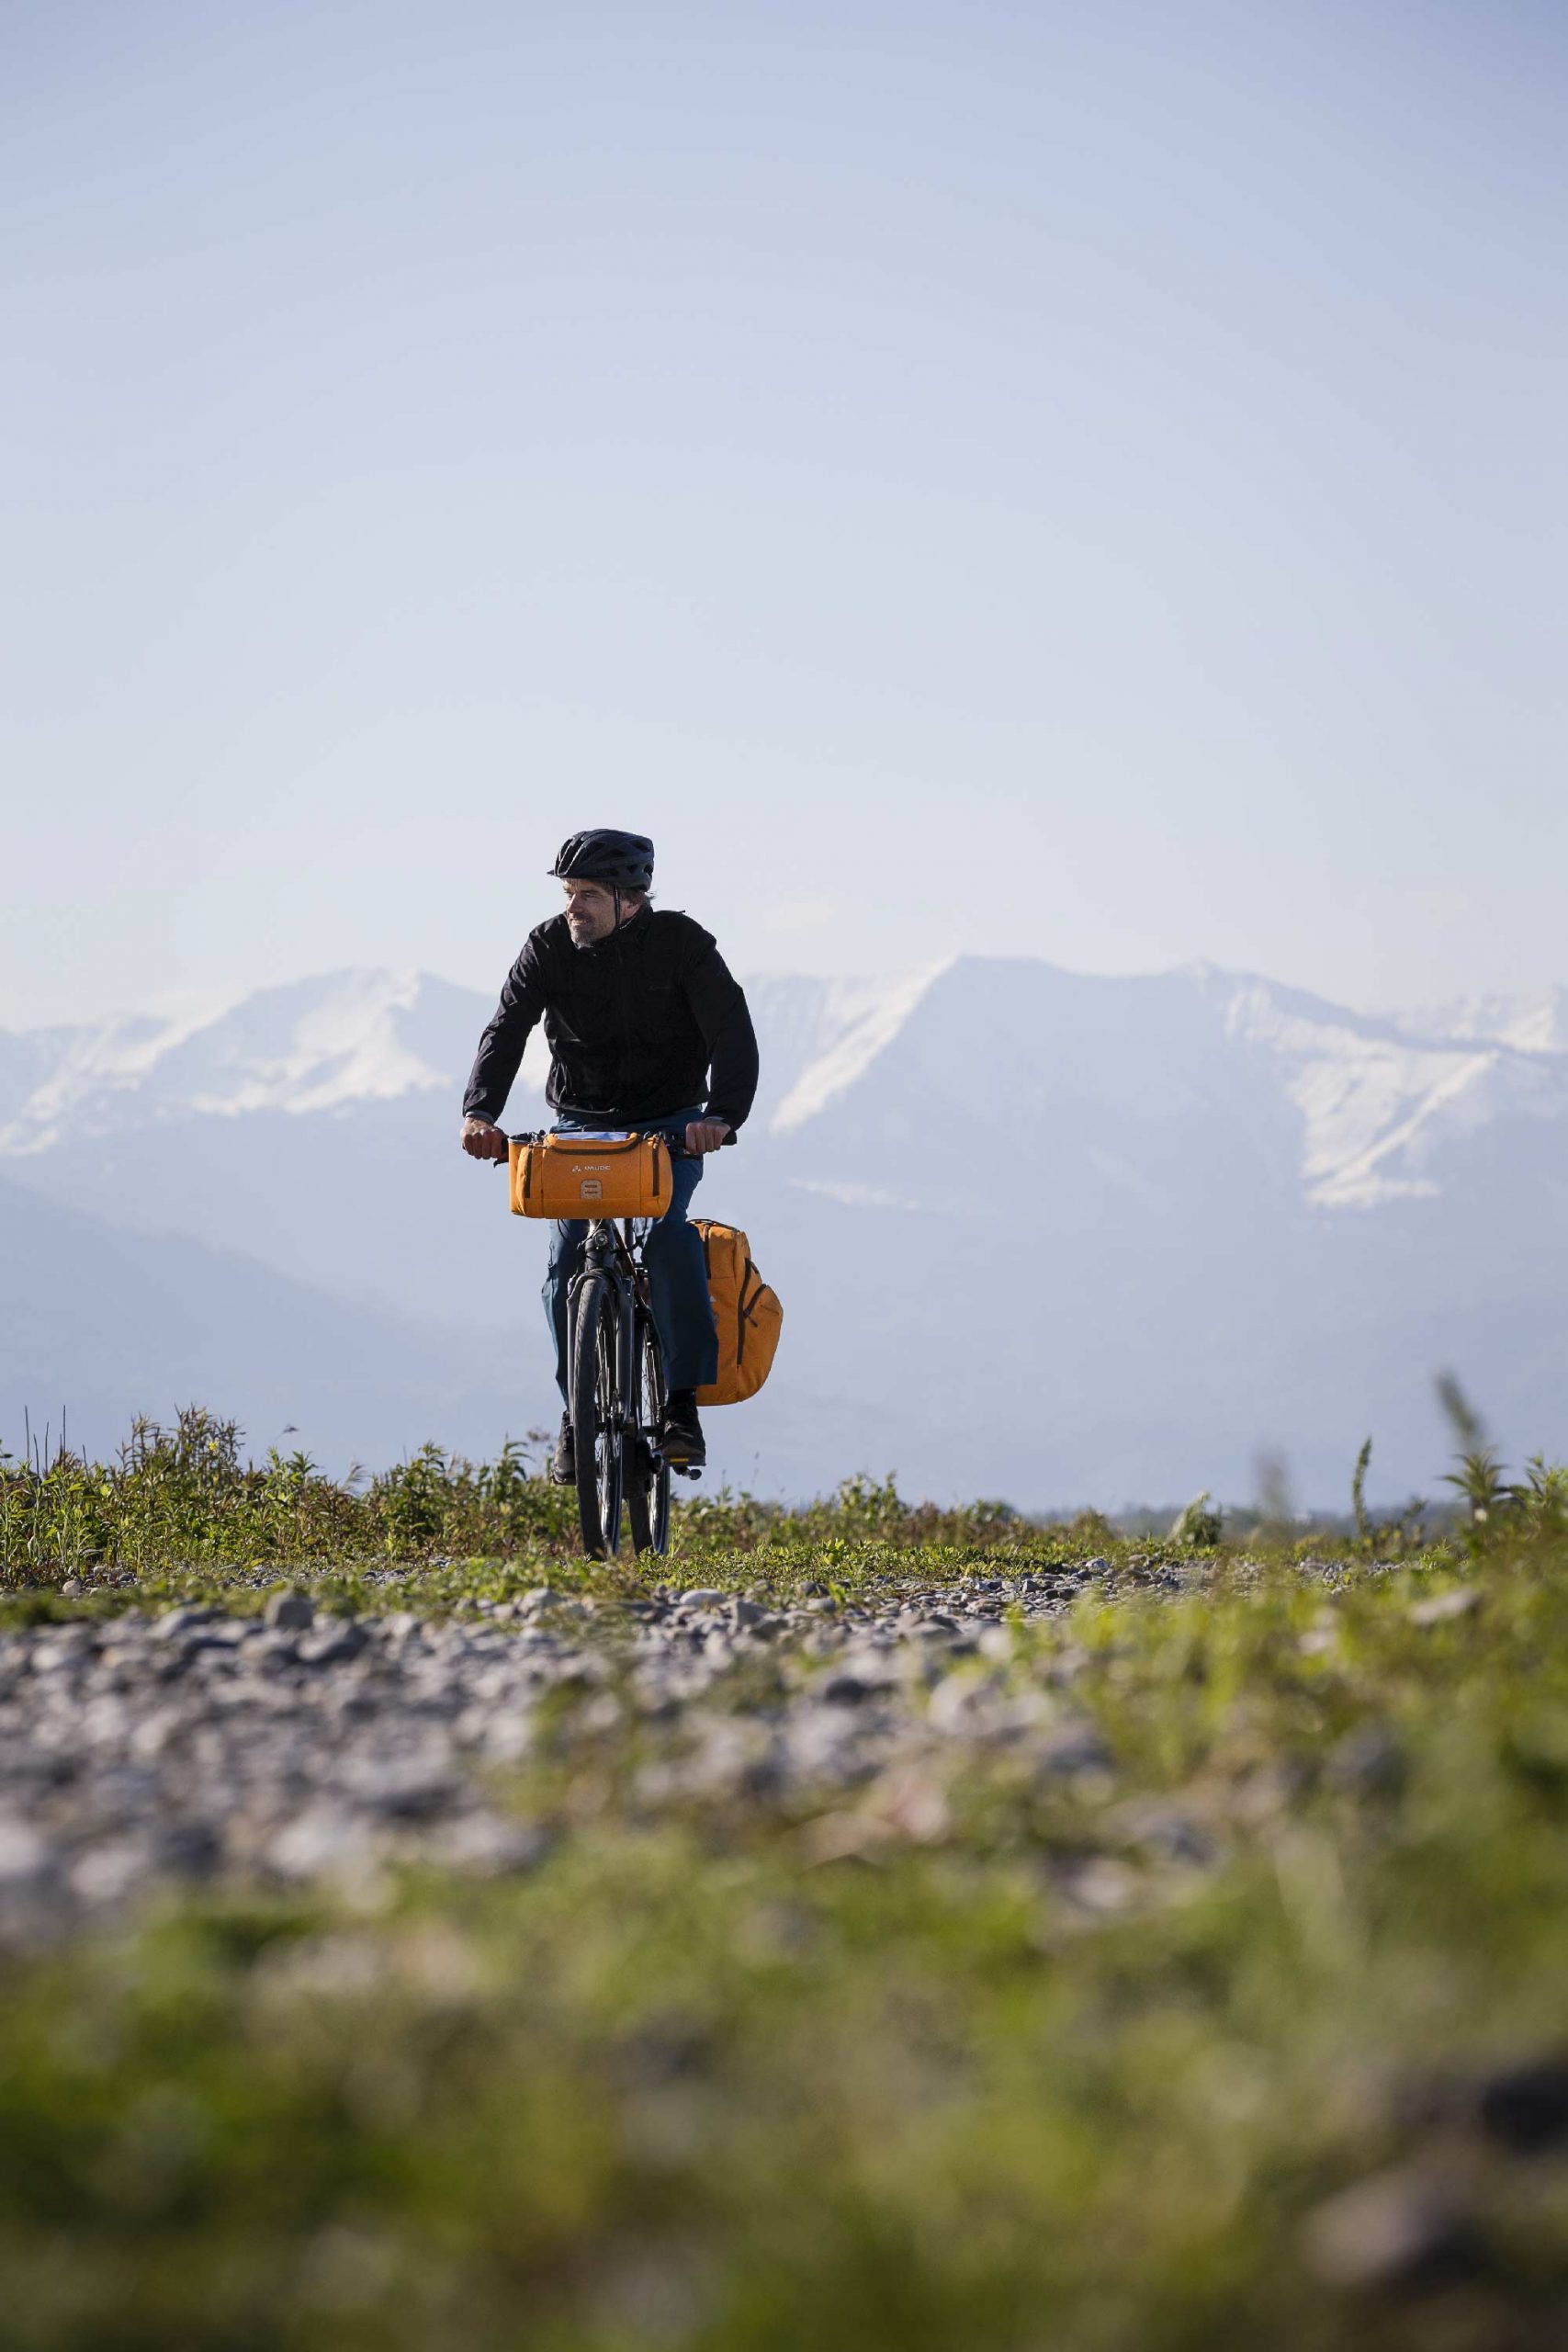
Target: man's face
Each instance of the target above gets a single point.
(590, 911)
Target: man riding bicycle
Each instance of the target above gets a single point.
(647, 1029)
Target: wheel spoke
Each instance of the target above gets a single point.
(594, 1413)
(648, 1475)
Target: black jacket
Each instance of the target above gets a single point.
(634, 1024)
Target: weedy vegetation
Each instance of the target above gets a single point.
(1246, 2028)
(179, 1512)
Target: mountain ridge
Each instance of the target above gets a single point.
(1193, 1180)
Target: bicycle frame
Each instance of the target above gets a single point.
(609, 1250)
(628, 1466)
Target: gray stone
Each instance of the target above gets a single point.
(174, 1622)
(1072, 1748)
(1097, 1882)
(290, 1611)
(1368, 1761)
(189, 1848)
(107, 1872)
(28, 1864)
(1397, 2230)
(844, 1690)
(1444, 1606)
(410, 1788)
(489, 1845)
(1526, 2107)
(333, 1644)
(323, 1840)
(54, 1654)
(1173, 1836)
(226, 1634)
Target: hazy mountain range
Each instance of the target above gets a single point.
(1038, 1235)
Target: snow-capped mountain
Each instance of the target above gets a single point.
(359, 1036)
(1537, 1024)
(1037, 1233)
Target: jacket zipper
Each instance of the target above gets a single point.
(620, 947)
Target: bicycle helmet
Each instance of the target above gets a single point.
(623, 860)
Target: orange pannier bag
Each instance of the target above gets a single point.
(588, 1175)
(747, 1312)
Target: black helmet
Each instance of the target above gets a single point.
(623, 860)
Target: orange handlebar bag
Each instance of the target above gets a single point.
(589, 1176)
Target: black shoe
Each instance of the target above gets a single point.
(681, 1439)
(563, 1463)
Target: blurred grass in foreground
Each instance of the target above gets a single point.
(1253, 2035)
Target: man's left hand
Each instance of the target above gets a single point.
(706, 1134)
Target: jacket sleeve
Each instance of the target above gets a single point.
(718, 1006)
(501, 1047)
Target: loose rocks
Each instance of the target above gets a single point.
(298, 1744)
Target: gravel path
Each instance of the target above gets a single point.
(296, 1747)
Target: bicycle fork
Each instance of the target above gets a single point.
(598, 1258)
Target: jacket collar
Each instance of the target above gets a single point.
(628, 932)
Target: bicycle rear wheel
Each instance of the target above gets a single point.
(596, 1416)
(647, 1473)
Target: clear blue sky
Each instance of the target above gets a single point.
(1084, 481)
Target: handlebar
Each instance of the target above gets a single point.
(674, 1138)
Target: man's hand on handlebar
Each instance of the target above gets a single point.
(706, 1134)
(483, 1141)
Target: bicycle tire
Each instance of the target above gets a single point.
(647, 1472)
(597, 1442)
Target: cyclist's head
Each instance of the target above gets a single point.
(606, 877)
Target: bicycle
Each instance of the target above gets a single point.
(615, 1371)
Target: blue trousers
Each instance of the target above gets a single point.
(677, 1277)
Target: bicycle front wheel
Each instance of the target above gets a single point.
(647, 1473)
(597, 1416)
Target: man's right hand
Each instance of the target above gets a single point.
(483, 1141)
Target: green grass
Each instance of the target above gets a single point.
(1021, 2064)
(179, 1513)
